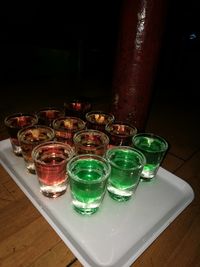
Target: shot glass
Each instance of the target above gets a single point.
(120, 133)
(16, 122)
(50, 159)
(154, 149)
(126, 166)
(66, 127)
(77, 108)
(90, 142)
(47, 115)
(97, 120)
(88, 175)
(29, 138)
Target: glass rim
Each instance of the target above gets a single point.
(132, 127)
(127, 148)
(103, 161)
(51, 143)
(20, 114)
(151, 135)
(35, 127)
(101, 112)
(56, 127)
(77, 100)
(52, 108)
(89, 131)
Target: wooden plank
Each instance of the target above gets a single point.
(179, 244)
(27, 244)
(13, 189)
(5, 197)
(59, 255)
(26, 238)
(16, 216)
(4, 176)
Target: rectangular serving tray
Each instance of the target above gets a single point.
(118, 233)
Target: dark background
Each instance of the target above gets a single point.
(76, 40)
(178, 68)
(69, 40)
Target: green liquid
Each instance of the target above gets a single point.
(154, 150)
(87, 185)
(125, 172)
(88, 175)
(85, 191)
(150, 144)
(126, 167)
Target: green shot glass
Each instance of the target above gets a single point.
(88, 175)
(154, 149)
(126, 166)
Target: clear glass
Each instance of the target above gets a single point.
(77, 108)
(120, 133)
(47, 115)
(16, 122)
(154, 148)
(126, 166)
(90, 142)
(50, 159)
(66, 127)
(29, 138)
(88, 175)
(97, 120)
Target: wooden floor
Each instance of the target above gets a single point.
(27, 240)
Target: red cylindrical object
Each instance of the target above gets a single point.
(141, 28)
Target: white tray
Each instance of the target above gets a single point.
(118, 233)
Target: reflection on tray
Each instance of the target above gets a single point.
(110, 237)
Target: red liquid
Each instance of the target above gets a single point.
(65, 137)
(14, 124)
(51, 169)
(91, 149)
(66, 127)
(46, 117)
(98, 121)
(77, 109)
(77, 106)
(91, 143)
(120, 140)
(120, 134)
(29, 138)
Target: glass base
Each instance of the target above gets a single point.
(52, 194)
(31, 167)
(120, 195)
(149, 171)
(17, 150)
(87, 211)
(85, 208)
(119, 198)
(147, 179)
(53, 191)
